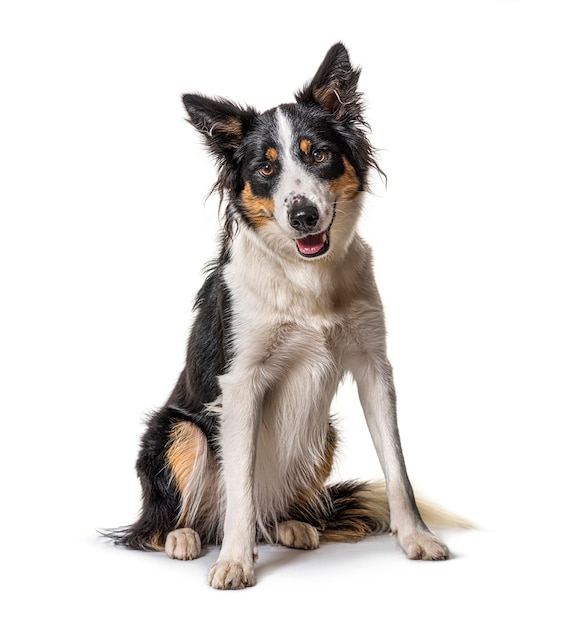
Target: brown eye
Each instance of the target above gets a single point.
(319, 156)
(267, 169)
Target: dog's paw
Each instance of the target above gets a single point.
(299, 535)
(183, 544)
(423, 545)
(232, 575)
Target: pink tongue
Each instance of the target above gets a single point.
(311, 244)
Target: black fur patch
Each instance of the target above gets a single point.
(328, 115)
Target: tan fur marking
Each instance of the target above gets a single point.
(187, 444)
(231, 126)
(157, 542)
(259, 210)
(328, 98)
(271, 154)
(346, 186)
(322, 472)
(305, 145)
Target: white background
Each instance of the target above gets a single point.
(104, 233)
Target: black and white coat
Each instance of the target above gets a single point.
(242, 450)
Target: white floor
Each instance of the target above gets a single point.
(492, 579)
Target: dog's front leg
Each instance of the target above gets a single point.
(377, 395)
(235, 566)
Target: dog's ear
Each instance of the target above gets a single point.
(334, 86)
(222, 123)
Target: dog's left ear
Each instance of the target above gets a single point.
(334, 86)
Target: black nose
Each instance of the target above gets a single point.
(303, 215)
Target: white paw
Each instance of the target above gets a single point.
(299, 535)
(423, 545)
(232, 575)
(183, 544)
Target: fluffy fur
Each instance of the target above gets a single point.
(242, 450)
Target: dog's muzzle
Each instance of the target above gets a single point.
(304, 220)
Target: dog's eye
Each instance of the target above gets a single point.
(266, 169)
(319, 156)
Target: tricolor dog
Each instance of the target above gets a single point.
(242, 450)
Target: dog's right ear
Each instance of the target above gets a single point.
(222, 123)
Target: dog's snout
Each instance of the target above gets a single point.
(303, 215)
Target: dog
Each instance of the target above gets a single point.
(243, 448)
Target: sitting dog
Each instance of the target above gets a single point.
(243, 448)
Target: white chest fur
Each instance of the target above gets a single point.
(293, 331)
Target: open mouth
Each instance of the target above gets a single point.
(316, 245)
(313, 245)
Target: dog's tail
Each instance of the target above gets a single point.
(349, 511)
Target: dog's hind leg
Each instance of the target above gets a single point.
(189, 459)
(300, 535)
(183, 544)
(173, 466)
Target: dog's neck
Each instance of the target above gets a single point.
(315, 292)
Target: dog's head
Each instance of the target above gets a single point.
(293, 174)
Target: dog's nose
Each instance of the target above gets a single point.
(303, 215)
